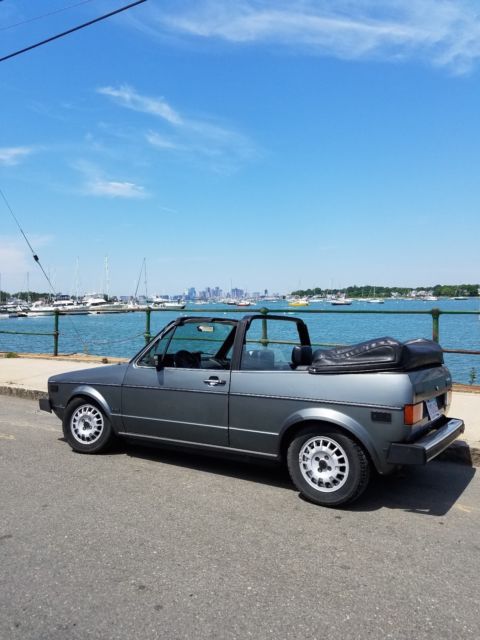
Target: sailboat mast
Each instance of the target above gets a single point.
(107, 282)
(76, 280)
(146, 291)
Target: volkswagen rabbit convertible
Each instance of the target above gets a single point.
(256, 387)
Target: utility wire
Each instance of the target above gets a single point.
(44, 15)
(66, 33)
(37, 259)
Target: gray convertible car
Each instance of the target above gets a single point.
(256, 387)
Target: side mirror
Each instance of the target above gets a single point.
(158, 360)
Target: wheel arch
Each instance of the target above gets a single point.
(90, 393)
(326, 418)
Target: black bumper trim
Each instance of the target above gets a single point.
(44, 404)
(428, 446)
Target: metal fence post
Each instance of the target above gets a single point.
(55, 333)
(264, 338)
(436, 324)
(147, 334)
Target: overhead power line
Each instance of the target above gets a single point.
(37, 259)
(66, 33)
(35, 256)
(44, 15)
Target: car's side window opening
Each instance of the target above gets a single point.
(268, 345)
(194, 345)
(157, 348)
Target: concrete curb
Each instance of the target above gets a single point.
(460, 451)
(19, 392)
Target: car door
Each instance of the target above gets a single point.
(264, 381)
(187, 399)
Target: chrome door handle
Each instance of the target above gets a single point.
(213, 381)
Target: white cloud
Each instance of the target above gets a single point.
(161, 142)
(113, 189)
(125, 96)
(444, 32)
(16, 259)
(193, 137)
(12, 260)
(97, 184)
(10, 156)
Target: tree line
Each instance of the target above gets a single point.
(33, 296)
(369, 291)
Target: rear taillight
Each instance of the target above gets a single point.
(412, 413)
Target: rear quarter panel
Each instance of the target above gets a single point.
(265, 406)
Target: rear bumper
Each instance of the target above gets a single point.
(427, 447)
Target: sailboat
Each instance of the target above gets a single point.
(375, 300)
(340, 301)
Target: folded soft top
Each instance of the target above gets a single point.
(380, 354)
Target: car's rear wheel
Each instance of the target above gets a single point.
(327, 467)
(86, 427)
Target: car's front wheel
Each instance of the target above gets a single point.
(327, 466)
(86, 427)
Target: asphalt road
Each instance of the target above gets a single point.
(155, 544)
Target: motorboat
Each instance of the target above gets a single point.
(40, 309)
(17, 312)
(298, 302)
(169, 304)
(96, 303)
(69, 307)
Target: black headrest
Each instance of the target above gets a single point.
(187, 360)
(301, 356)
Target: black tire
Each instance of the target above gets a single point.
(327, 466)
(86, 427)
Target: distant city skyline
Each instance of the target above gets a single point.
(217, 293)
(259, 144)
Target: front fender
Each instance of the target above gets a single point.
(338, 419)
(90, 392)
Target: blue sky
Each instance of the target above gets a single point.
(262, 144)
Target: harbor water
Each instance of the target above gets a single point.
(123, 334)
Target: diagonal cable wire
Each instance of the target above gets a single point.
(72, 30)
(44, 15)
(37, 260)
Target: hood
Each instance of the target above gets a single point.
(109, 374)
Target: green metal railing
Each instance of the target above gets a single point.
(435, 315)
(55, 333)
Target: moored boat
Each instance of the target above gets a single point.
(39, 309)
(341, 301)
(170, 304)
(96, 303)
(69, 307)
(298, 302)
